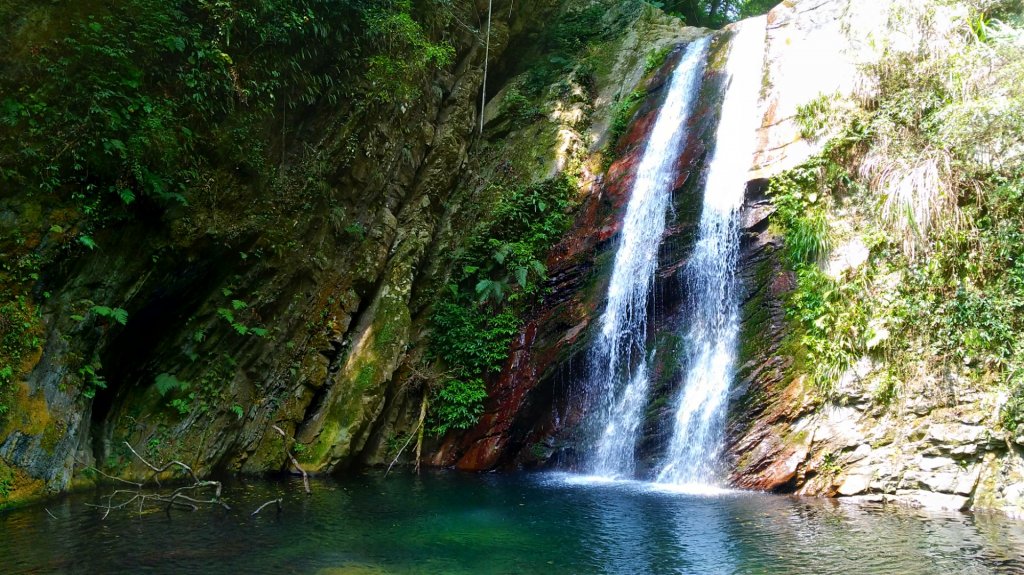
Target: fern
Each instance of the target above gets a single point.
(166, 383)
(117, 314)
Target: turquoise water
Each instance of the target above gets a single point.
(453, 523)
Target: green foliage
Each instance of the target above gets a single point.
(238, 411)
(498, 270)
(817, 116)
(518, 107)
(801, 207)
(830, 466)
(20, 335)
(1012, 412)
(6, 481)
(829, 321)
(458, 404)
(356, 230)
(408, 52)
(565, 39)
(714, 13)
(167, 382)
(236, 323)
(92, 381)
(117, 314)
(87, 242)
(655, 58)
(118, 109)
(943, 289)
(622, 112)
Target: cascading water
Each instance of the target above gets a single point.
(710, 274)
(618, 370)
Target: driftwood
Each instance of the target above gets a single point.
(417, 432)
(295, 462)
(184, 497)
(187, 497)
(271, 502)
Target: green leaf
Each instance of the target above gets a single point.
(120, 315)
(87, 242)
(242, 329)
(166, 383)
(502, 253)
(521, 277)
(539, 268)
(259, 332)
(101, 310)
(238, 304)
(226, 314)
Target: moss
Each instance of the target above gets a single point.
(52, 435)
(17, 487)
(756, 315)
(365, 378)
(21, 341)
(366, 370)
(30, 414)
(796, 438)
(318, 454)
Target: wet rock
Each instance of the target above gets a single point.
(930, 500)
(855, 485)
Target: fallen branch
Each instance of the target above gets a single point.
(422, 426)
(183, 497)
(417, 432)
(260, 508)
(295, 462)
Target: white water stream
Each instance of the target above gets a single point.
(710, 274)
(618, 360)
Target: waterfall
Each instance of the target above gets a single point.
(618, 360)
(710, 274)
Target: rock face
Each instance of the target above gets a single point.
(936, 449)
(292, 303)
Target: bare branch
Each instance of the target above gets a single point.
(295, 462)
(260, 508)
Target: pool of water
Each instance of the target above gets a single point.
(452, 523)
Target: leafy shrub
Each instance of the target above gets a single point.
(518, 107)
(497, 271)
(92, 380)
(942, 213)
(801, 208)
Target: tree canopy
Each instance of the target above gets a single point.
(715, 13)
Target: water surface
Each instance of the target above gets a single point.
(451, 523)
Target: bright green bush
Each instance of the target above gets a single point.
(497, 272)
